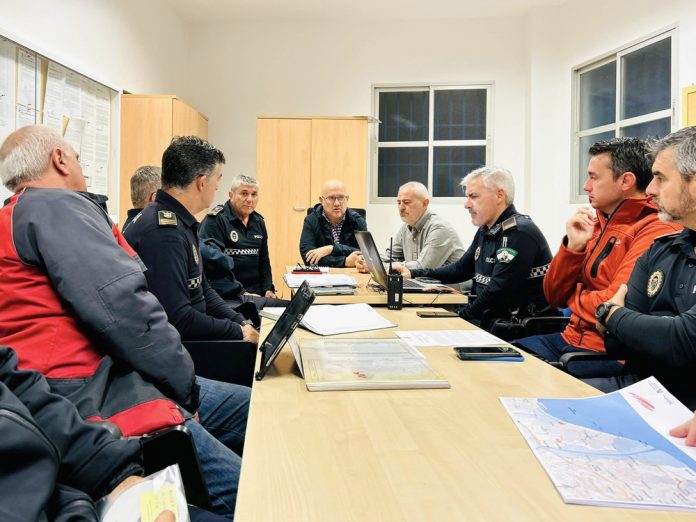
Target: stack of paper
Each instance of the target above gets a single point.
(295, 280)
(449, 338)
(612, 450)
(336, 319)
(374, 364)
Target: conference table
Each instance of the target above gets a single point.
(364, 293)
(413, 455)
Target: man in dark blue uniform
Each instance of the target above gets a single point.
(144, 183)
(508, 257)
(328, 232)
(165, 236)
(242, 232)
(651, 323)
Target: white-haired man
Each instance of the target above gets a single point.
(508, 257)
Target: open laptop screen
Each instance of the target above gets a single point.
(285, 325)
(371, 254)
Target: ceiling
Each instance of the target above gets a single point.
(206, 11)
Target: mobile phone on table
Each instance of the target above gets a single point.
(469, 353)
(437, 314)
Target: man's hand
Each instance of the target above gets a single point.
(579, 229)
(403, 271)
(314, 255)
(249, 333)
(619, 299)
(270, 293)
(361, 265)
(352, 259)
(686, 430)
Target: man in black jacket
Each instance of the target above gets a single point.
(328, 233)
(144, 183)
(651, 323)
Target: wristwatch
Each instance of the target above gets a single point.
(603, 310)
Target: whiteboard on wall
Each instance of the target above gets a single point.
(35, 90)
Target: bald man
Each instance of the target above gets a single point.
(328, 233)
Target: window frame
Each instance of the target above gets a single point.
(619, 122)
(431, 143)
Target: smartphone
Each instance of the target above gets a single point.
(437, 314)
(486, 352)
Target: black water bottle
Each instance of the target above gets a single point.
(395, 285)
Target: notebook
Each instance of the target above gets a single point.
(379, 274)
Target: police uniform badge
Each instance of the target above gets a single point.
(505, 254)
(477, 254)
(195, 254)
(655, 282)
(166, 218)
(234, 236)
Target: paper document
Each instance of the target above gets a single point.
(353, 364)
(449, 338)
(336, 319)
(612, 450)
(295, 280)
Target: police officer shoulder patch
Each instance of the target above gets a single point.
(234, 236)
(505, 254)
(509, 223)
(166, 218)
(655, 282)
(215, 210)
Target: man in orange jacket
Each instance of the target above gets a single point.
(600, 249)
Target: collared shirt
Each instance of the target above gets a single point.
(430, 243)
(335, 228)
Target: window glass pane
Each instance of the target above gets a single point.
(646, 78)
(451, 164)
(650, 129)
(397, 165)
(460, 114)
(598, 96)
(584, 157)
(403, 116)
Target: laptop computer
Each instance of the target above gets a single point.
(285, 325)
(379, 274)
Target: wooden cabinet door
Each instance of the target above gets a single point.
(339, 151)
(187, 121)
(283, 168)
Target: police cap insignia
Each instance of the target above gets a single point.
(166, 218)
(655, 282)
(215, 210)
(477, 254)
(234, 236)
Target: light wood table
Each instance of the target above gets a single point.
(405, 455)
(366, 294)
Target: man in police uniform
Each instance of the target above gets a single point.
(242, 231)
(144, 183)
(651, 324)
(165, 236)
(508, 257)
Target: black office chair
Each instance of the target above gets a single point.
(360, 211)
(225, 361)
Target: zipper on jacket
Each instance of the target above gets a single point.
(32, 428)
(601, 234)
(603, 255)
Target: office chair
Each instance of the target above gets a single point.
(225, 361)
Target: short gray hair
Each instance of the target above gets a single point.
(241, 179)
(418, 188)
(683, 142)
(26, 154)
(144, 181)
(494, 178)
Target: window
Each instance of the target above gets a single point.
(432, 134)
(629, 93)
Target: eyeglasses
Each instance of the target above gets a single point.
(335, 199)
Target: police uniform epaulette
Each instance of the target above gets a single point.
(668, 236)
(215, 210)
(166, 218)
(509, 223)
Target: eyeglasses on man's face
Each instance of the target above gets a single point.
(335, 199)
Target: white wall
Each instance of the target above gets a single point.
(566, 36)
(319, 68)
(139, 46)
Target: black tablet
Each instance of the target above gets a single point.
(285, 325)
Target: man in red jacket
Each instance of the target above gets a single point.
(600, 248)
